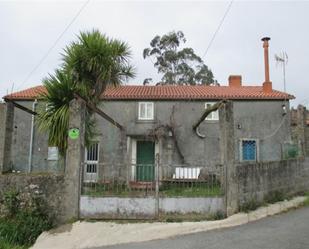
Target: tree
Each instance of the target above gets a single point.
(90, 65)
(178, 66)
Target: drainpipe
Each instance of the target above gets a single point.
(31, 138)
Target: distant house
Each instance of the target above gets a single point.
(158, 121)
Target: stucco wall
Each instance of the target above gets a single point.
(125, 207)
(262, 120)
(257, 119)
(257, 181)
(21, 143)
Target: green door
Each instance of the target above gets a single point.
(145, 159)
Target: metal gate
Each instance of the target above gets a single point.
(91, 163)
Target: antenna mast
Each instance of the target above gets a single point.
(282, 59)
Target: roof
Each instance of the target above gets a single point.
(168, 92)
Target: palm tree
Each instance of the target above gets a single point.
(90, 65)
(95, 61)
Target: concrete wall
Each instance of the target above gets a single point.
(121, 207)
(256, 181)
(257, 119)
(49, 187)
(21, 143)
(262, 120)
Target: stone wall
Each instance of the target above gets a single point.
(257, 181)
(49, 187)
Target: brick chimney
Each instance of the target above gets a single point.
(267, 85)
(235, 80)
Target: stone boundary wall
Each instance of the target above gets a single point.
(257, 181)
(49, 187)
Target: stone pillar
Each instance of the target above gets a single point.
(6, 136)
(227, 151)
(74, 161)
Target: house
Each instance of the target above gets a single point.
(158, 122)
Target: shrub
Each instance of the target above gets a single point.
(22, 225)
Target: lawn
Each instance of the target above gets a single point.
(173, 189)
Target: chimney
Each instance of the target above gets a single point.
(267, 85)
(235, 80)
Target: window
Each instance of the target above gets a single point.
(145, 111)
(52, 153)
(248, 150)
(91, 163)
(213, 115)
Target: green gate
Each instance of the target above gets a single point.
(145, 159)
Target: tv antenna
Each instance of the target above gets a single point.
(282, 60)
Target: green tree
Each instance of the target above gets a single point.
(90, 64)
(178, 66)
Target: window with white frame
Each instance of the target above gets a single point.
(248, 149)
(145, 110)
(213, 115)
(52, 153)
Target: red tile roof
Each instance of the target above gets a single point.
(130, 92)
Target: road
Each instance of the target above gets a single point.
(285, 231)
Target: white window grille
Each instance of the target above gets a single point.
(91, 163)
(52, 154)
(213, 115)
(145, 110)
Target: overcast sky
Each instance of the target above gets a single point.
(28, 29)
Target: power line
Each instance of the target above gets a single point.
(218, 28)
(54, 44)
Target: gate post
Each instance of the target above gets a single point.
(74, 159)
(157, 186)
(227, 150)
(6, 136)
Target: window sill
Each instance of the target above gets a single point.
(146, 121)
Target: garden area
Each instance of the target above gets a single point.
(23, 220)
(142, 189)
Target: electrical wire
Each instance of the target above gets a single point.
(218, 28)
(54, 44)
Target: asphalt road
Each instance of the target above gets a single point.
(285, 231)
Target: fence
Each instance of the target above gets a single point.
(141, 180)
(134, 191)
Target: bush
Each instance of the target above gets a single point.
(22, 226)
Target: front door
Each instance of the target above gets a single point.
(145, 159)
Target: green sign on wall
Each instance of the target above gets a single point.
(74, 133)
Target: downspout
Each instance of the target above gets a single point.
(31, 138)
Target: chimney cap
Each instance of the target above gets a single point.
(265, 39)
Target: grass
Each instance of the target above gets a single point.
(7, 245)
(166, 190)
(306, 202)
(193, 191)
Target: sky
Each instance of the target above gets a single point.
(29, 29)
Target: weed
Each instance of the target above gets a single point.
(250, 205)
(22, 225)
(274, 197)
